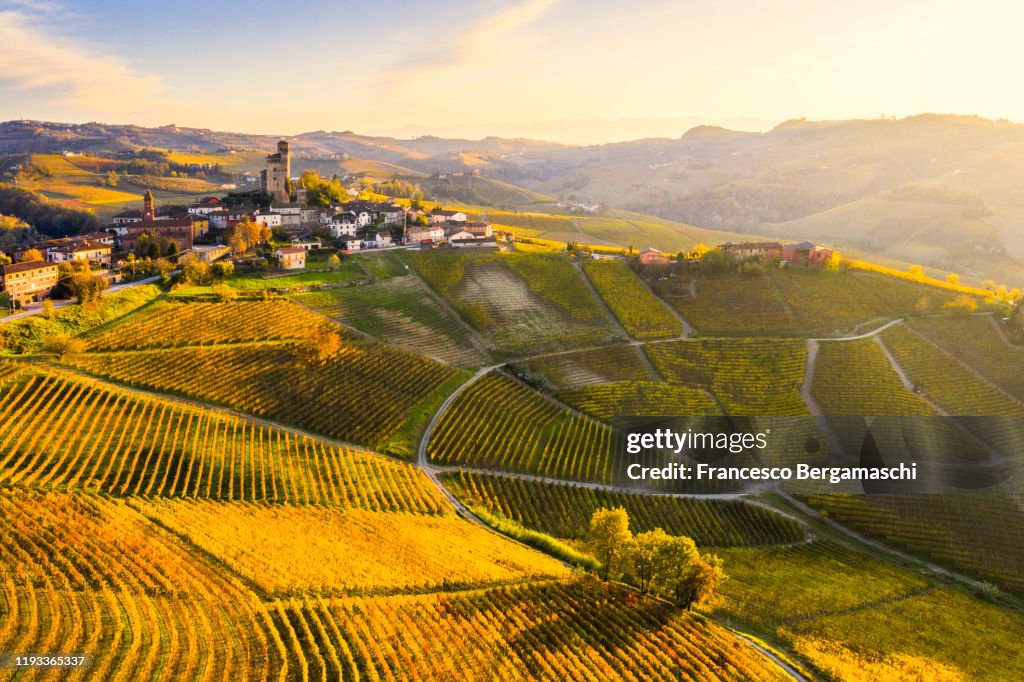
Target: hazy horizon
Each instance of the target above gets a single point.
(561, 70)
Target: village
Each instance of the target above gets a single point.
(283, 220)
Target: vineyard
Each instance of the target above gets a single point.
(109, 440)
(827, 303)
(855, 378)
(755, 377)
(956, 530)
(954, 388)
(861, 618)
(337, 552)
(166, 325)
(566, 631)
(400, 312)
(363, 394)
(564, 511)
(975, 341)
(519, 302)
(615, 363)
(501, 424)
(639, 399)
(639, 311)
(734, 306)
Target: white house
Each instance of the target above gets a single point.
(291, 257)
(205, 206)
(268, 219)
(438, 216)
(344, 224)
(416, 235)
(383, 240)
(393, 214)
(351, 244)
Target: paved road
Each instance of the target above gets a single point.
(37, 308)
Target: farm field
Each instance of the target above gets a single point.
(734, 306)
(112, 441)
(854, 378)
(955, 530)
(975, 341)
(337, 552)
(957, 390)
(639, 399)
(27, 335)
(401, 312)
(564, 511)
(749, 377)
(518, 302)
(613, 363)
(363, 394)
(859, 618)
(500, 423)
(642, 314)
(556, 630)
(171, 324)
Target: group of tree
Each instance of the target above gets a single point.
(197, 271)
(320, 343)
(246, 235)
(321, 192)
(46, 216)
(668, 566)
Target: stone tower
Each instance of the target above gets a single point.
(148, 206)
(274, 179)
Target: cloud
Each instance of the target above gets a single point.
(36, 57)
(468, 45)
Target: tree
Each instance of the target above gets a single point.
(246, 235)
(31, 255)
(700, 581)
(222, 269)
(334, 262)
(87, 287)
(714, 262)
(112, 179)
(224, 293)
(953, 279)
(609, 540)
(321, 343)
(916, 271)
(48, 311)
(194, 270)
(645, 557)
(63, 344)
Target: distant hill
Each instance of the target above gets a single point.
(943, 191)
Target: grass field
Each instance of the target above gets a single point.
(399, 311)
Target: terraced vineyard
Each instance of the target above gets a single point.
(613, 363)
(639, 399)
(976, 342)
(337, 552)
(642, 314)
(564, 511)
(402, 313)
(756, 377)
(364, 394)
(732, 306)
(166, 325)
(955, 389)
(955, 530)
(519, 302)
(854, 378)
(113, 441)
(574, 630)
(499, 423)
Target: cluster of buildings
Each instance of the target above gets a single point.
(804, 254)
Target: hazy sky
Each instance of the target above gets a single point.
(578, 70)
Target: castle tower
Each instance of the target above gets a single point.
(274, 178)
(148, 206)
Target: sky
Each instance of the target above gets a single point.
(581, 71)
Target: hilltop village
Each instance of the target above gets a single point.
(279, 224)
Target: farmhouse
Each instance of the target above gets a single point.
(291, 257)
(651, 256)
(478, 229)
(807, 254)
(769, 251)
(438, 216)
(25, 281)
